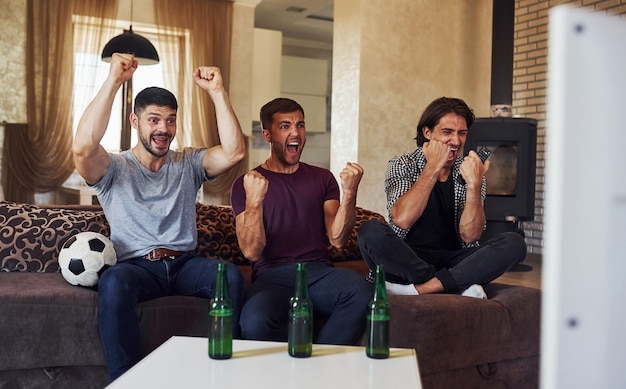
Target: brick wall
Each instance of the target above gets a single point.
(530, 65)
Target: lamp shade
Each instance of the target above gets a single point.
(131, 43)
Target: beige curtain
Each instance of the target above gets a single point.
(38, 158)
(204, 28)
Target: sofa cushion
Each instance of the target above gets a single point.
(47, 322)
(452, 332)
(31, 236)
(217, 237)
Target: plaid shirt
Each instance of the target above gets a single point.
(404, 171)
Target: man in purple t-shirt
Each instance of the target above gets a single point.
(287, 212)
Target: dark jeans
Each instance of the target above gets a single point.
(456, 269)
(341, 294)
(135, 280)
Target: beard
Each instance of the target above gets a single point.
(279, 152)
(157, 152)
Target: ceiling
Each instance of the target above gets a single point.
(310, 20)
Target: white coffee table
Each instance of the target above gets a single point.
(183, 362)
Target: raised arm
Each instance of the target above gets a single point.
(341, 216)
(90, 158)
(232, 147)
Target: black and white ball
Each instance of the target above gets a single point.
(84, 257)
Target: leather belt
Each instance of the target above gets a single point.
(161, 253)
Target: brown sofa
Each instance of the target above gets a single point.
(49, 336)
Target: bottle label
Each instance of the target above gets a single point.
(378, 317)
(221, 312)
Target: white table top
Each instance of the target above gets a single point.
(183, 362)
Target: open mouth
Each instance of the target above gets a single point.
(292, 148)
(161, 140)
(453, 153)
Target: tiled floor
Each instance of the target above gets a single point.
(526, 276)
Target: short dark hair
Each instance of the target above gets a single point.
(278, 105)
(154, 96)
(438, 109)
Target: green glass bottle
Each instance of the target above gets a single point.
(221, 318)
(377, 328)
(300, 339)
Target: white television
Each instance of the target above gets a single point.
(583, 337)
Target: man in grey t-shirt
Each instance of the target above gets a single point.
(148, 196)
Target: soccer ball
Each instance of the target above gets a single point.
(84, 257)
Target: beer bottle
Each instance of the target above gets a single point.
(377, 328)
(221, 318)
(300, 339)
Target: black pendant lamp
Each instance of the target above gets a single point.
(131, 43)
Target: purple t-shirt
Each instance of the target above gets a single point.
(293, 215)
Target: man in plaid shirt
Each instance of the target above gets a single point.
(435, 201)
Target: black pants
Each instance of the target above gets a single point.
(456, 269)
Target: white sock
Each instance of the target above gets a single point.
(475, 291)
(393, 288)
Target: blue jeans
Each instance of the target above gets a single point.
(456, 269)
(129, 282)
(341, 294)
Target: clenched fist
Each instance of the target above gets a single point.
(208, 78)
(472, 169)
(255, 185)
(351, 177)
(122, 67)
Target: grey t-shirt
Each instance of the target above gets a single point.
(147, 210)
